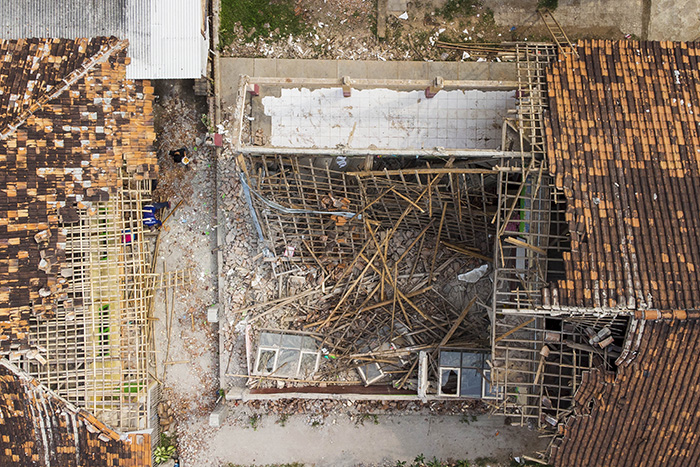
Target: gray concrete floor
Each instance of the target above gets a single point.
(342, 442)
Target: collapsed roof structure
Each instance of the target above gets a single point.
(624, 145)
(41, 428)
(581, 216)
(76, 161)
(375, 230)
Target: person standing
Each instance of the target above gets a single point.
(149, 214)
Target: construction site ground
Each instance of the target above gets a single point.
(343, 29)
(188, 347)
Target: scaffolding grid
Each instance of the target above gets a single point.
(535, 386)
(311, 214)
(98, 345)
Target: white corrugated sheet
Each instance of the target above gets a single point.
(177, 41)
(165, 36)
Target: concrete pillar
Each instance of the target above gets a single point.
(213, 313)
(423, 375)
(347, 89)
(253, 89)
(218, 415)
(438, 84)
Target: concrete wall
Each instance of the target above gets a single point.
(676, 20)
(625, 15)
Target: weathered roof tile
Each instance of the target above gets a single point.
(624, 145)
(70, 121)
(39, 428)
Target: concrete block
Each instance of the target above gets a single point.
(266, 67)
(289, 68)
(218, 415)
(231, 70)
(412, 70)
(213, 313)
(382, 70)
(396, 6)
(235, 393)
(474, 71)
(448, 70)
(356, 69)
(503, 72)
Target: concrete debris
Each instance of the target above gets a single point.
(474, 275)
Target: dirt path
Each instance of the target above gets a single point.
(341, 441)
(186, 344)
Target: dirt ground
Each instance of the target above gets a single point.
(186, 344)
(345, 29)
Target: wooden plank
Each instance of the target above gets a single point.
(515, 329)
(516, 242)
(456, 324)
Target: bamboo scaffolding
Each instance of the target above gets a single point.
(99, 344)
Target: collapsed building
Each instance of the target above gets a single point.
(369, 234)
(527, 241)
(77, 162)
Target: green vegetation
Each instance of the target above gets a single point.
(421, 461)
(484, 461)
(260, 16)
(367, 417)
(166, 449)
(551, 5)
(455, 8)
(282, 421)
(206, 121)
(163, 454)
(254, 421)
(468, 419)
(487, 18)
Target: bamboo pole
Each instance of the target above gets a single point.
(515, 329)
(171, 212)
(456, 324)
(466, 252)
(437, 243)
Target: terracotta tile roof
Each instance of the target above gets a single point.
(40, 429)
(623, 143)
(69, 121)
(648, 415)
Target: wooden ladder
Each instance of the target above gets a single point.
(560, 38)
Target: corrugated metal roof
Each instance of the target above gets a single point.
(176, 39)
(165, 36)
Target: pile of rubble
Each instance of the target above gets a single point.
(346, 30)
(328, 407)
(362, 294)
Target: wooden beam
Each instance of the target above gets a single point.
(520, 243)
(456, 324)
(515, 329)
(427, 171)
